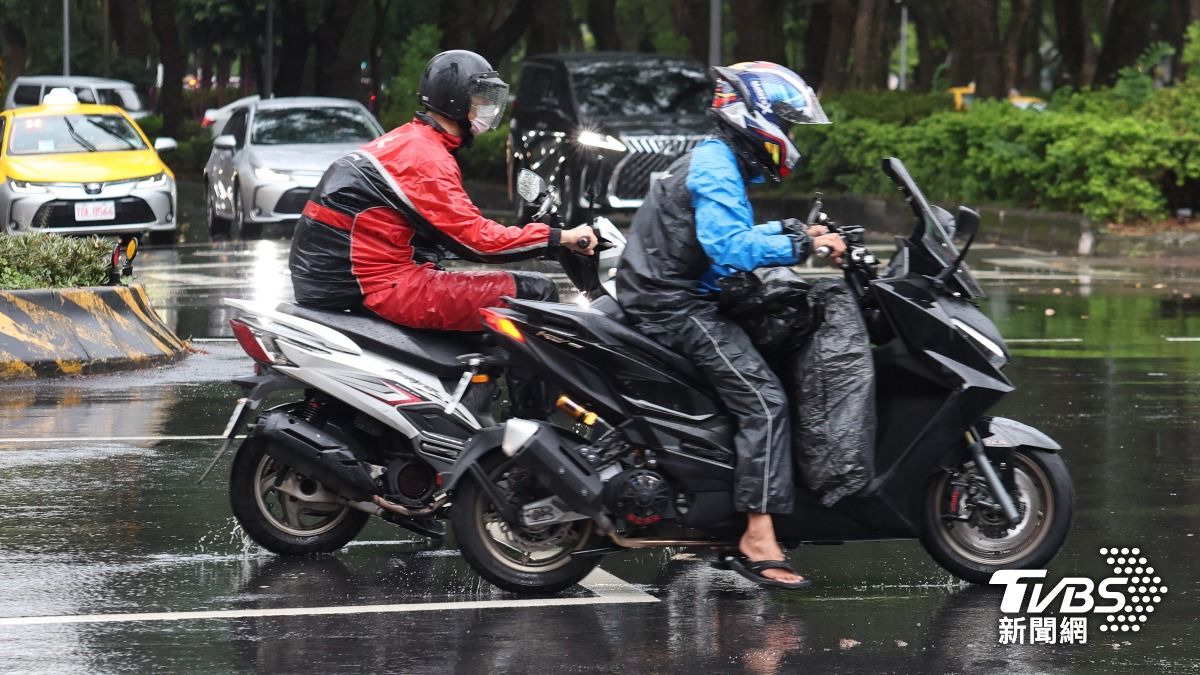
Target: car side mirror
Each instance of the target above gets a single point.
(165, 144)
(225, 142)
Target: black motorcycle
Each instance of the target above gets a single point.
(649, 460)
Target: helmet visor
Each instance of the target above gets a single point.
(489, 97)
(802, 107)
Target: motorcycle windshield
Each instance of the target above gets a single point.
(934, 230)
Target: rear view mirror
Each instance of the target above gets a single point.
(966, 223)
(225, 142)
(165, 144)
(529, 185)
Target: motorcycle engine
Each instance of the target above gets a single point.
(639, 497)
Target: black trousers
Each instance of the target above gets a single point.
(752, 393)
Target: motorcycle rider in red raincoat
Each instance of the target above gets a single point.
(384, 216)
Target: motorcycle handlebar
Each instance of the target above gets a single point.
(823, 252)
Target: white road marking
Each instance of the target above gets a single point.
(607, 588)
(213, 339)
(1182, 339)
(113, 439)
(1038, 340)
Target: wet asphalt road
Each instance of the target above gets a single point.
(100, 515)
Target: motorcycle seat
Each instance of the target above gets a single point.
(620, 327)
(433, 351)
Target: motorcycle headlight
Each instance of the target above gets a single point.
(602, 141)
(27, 188)
(980, 338)
(265, 173)
(156, 181)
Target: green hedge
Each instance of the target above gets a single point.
(1121, 154)
(50, 261)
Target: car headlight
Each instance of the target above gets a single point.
(27, 188)
(602, 141)
(980, 338)
(265, 173)
(156, 181)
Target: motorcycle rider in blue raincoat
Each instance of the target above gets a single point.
(695, 227)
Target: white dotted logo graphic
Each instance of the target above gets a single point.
(1143, 593)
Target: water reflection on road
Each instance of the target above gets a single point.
(1105, 362)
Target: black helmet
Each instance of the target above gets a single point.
(456, 81)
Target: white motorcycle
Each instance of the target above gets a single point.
(383, 415)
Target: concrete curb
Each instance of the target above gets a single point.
(76, 331)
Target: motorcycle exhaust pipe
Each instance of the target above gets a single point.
(539, 449)
(315, 453)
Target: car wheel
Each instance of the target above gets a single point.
(218, 227)
(245, 229)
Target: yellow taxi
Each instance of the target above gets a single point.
(73, 168)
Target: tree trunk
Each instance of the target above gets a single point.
(602, 21)
(15, 53)
(930, 21)
(500, 42)
(292, 55)
(204, 67)
(1014, 39)
(759, 30)
(865, 52)
(545, 31)
(962, 43)
(816, 44)
(128, 29)
(382, 9)
(841, 31)
(691, 20)
(166, 30)
(989, 55)
(252, 57)
(224, 66)
(336, 70)
(454, 21)
(1126, 36)
(1030, 78)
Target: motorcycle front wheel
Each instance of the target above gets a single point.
(973, 549)
(517, 559)
(262, 495)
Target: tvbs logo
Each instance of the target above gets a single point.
(1126, 600)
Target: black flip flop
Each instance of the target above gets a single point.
(753, 570)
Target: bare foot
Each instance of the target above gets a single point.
(758, 543)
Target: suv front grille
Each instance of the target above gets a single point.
(61, 213)
(647, 154)
(293, 201)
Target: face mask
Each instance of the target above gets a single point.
(480, 125)
(484, 116)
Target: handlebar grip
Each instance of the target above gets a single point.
(584, 243)
(823, 251)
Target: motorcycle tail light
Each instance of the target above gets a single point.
(502, 325)
(250, 343)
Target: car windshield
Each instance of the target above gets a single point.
(286, 126)
(639, 88)
(54, 134)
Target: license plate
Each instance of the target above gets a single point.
(85, 211)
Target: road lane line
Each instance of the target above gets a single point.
(1037, 340)
(608, 590)
(113, 439)
(1182, 339)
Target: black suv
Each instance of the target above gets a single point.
(626, 116)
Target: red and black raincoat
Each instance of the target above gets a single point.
(382, 218)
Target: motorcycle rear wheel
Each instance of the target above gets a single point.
(517, 559)
(1046, 501)
(278, 521)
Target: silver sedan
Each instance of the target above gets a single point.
(270, 156)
